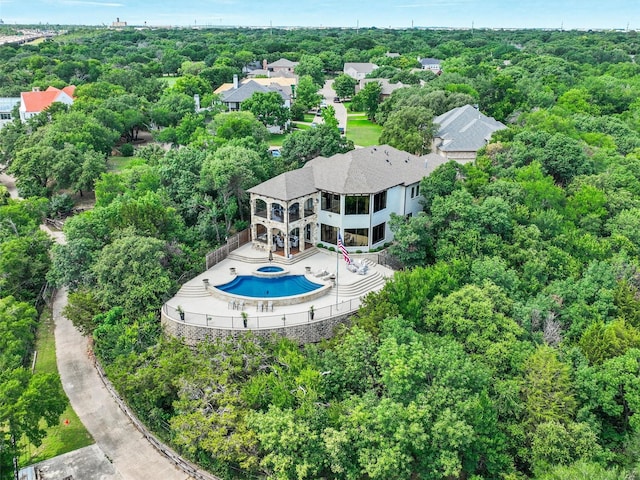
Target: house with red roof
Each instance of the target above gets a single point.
(35, 101)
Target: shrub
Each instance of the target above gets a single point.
(60, 206)
(126, 150)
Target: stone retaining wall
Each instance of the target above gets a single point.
(302, 333)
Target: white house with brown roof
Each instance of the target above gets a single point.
(34, 102)
(462, 131)
(353, 193)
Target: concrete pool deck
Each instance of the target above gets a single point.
(204, 306)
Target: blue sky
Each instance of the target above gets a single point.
(570, 14)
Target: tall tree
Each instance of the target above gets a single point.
(268, 108)
(410, 129)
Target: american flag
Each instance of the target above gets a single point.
(343, 249)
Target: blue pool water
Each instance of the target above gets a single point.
(269, 287)
(271, 269)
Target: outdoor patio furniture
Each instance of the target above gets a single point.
(259, 307)
(241, 305)
(270, 306)
(232, 305)
(320, 273)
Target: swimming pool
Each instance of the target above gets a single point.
(270, 269)
(269, 287)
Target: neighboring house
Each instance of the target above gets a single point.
(392, 55)
(386, 88)
(34, 102)
(462, 132)
(232, 98)
(353, 193)
(286, 84)
(282, 65)
(432, 64)
(7, 104)
(359, 70)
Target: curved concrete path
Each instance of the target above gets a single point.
(131, 454)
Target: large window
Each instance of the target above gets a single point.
(356, 205)
(378, 233)
(330, 202)
(329, 234)
(380, 201)
(356, 237)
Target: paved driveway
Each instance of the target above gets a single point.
(328, 93)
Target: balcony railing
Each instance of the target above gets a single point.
(258, 320)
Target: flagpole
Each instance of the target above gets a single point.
(337, 269)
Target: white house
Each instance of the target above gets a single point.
(353, 193)
(359, 70)
(7, 104)
(462, 131)
(34, 102)
(432, 64)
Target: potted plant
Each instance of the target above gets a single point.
(245, 317)
(311, 312)
(180, 312)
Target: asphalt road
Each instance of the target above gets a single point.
(329, 93)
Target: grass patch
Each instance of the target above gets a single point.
(117, 164)
(69, 434)
(276, 139)
(301, 126)
(168, 81)
(309, 117)
(362, 131)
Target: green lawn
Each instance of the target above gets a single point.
(309, 117)
(301, 126)
(169, 81)
(117, 164)
(276, 139)
(362, 131)
(69, 434)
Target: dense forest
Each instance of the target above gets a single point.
(508, 346)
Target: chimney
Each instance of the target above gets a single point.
(235, 82)
(35, 89)
(264, 64)
(118, 19)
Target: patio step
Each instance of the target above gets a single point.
(192, 291)
(372, 281)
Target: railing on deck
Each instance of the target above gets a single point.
(257, 320)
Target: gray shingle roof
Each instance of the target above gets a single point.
(430, 61)
(282, 63)
(360, 171)
(287, 186)
(360, 67)
(246, 90)
(465, 129)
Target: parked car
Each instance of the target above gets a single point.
(323, 104)
(275, 152)
(336, 99)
